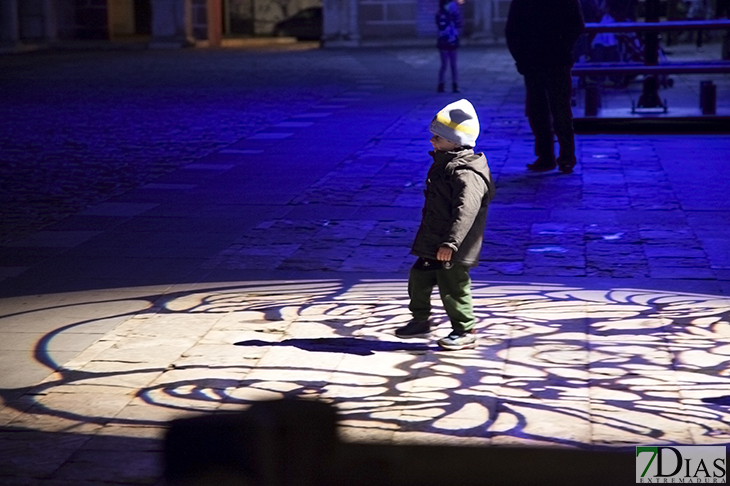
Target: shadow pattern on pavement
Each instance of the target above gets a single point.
(556, 365)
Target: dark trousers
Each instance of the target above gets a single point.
(722, 8)
(448, 59)
(549, 111)
(454, 286)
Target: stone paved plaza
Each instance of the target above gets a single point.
(191, 231)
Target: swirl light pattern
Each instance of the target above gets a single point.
(556, 365)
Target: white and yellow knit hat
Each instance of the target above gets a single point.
(457, 123)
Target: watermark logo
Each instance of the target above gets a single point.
(681, 464)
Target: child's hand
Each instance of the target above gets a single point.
(444, 254)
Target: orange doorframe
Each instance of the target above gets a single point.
(215, 22)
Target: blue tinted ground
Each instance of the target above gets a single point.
(193, 230)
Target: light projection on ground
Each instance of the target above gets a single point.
(556, 365)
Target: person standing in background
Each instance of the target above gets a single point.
(541, 35)
(722, 11)
(448, 21)
(697, 10)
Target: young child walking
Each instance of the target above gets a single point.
(449, 240)
(448, 22)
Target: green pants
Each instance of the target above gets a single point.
(455, 289)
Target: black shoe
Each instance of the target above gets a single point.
(455, 88)
(565, 165)
(414, 329)
(542, 165)
(440, 89)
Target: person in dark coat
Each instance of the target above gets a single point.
(540, 36)
(449, 240)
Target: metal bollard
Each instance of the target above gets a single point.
(593, 101)
(708, 97)
(285, 442)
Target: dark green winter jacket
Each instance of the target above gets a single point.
(458, 190)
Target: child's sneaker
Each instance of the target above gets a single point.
(455, 341)
(414, 329)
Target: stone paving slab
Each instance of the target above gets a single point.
(265, 256)
(558, 366)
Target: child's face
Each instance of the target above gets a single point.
(441, 144)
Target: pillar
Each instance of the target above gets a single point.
(215, 22)
(353, 32)
(483, 17)
(51, 27)
(341, 23)
(172, 24)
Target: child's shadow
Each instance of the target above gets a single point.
(723, 400)
(347, 345)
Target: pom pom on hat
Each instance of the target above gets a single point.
(457, 123)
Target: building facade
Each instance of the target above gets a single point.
(188, 22)
(45, 22)
(361, 22)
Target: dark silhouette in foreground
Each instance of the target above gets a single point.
(294, 442)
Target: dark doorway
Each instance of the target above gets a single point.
(142, 17)
(238, 17)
